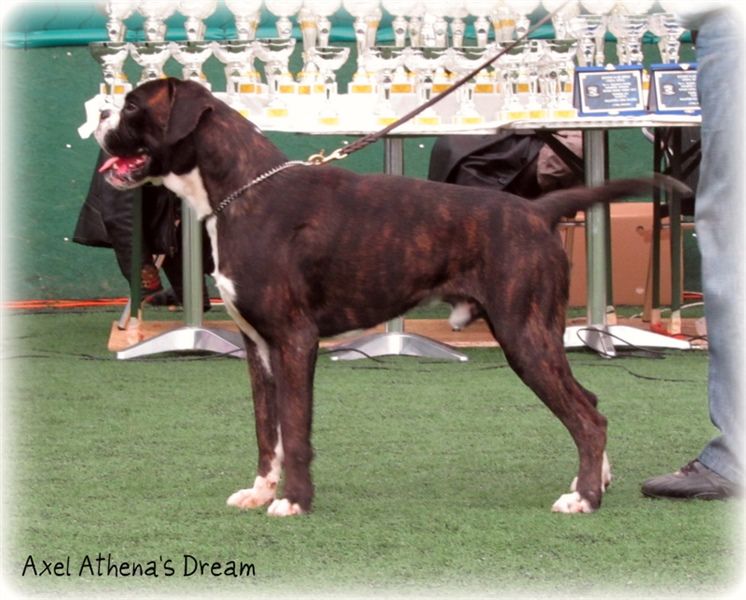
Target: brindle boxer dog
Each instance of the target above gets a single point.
(313, 251)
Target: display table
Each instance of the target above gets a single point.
(597, 333)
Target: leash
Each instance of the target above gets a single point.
(360, 143)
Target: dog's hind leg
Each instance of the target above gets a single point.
(293, 364)
(535, 351)
(268, 433)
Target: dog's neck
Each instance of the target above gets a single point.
(224, 162)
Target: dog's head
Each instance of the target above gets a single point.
(147, 138)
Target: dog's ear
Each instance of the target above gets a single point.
(189, 102)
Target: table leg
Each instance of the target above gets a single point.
(597, 335)
(394, 341)
(192, 337)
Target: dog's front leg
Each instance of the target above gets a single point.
(268, 434)
(293, 364)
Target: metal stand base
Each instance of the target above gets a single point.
(188, 339)
(603, 340)
(398, 344)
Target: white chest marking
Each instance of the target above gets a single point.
(227, 290)
(190, 187)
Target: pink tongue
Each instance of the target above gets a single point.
(108, 164)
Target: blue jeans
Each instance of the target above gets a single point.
(720, 231)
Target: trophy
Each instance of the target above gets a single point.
(246, 14)
(111, 57)
(116, 12)
(463, 61)
(426, 63)
(284, 9)
(481, 11)
(503, 22)
(533, 53)
(192, 55)
(513, 76)
(275, 54)
(151, 56)
(367, 16)
(384, 61)
(557, 78)
(399, 9)
(456, 10)
(666, 27)
(566, 10)
(156, 12)
(522, 8)
(240, 75)
(434, 24)
(196, 11)
(415, 24)
(589, 30)
(323, 9)
(329, 59)
(628, 29)
(598, 7)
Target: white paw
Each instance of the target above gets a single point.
(571, 503)
(262, 493)
(283, 508)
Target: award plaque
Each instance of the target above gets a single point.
(609, 91)
(673, 89)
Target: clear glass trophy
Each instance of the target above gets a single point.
(399, 9)
(156, 12)
(513, 81)
(522, 8)
(426, 63)
(629, 30)
(323, 9)
(566, 10)
(558, 77)
(589, 30)
(384, 62)
(275, 54)
(366, 15)
(246, 15)
(116, 13)
(196, 11)
(482, 11)
(328, 60)
(456, 11)
(151, 56)
(503, 22)
(666, 27)
(241, 77)
(463, 61)
(434, 23)
(191, 56)
(111, 57)
(283, 10)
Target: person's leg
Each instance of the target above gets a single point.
(720, 233)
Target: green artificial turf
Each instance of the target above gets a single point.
(431, 478)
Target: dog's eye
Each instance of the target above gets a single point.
(129, 107)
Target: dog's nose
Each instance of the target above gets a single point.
(104, 114)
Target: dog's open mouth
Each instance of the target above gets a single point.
(125, 171)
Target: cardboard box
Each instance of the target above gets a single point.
(631, 243)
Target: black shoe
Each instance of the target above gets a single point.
(691, 481)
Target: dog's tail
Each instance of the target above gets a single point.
(565, 203)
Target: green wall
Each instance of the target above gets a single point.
(46, 170)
